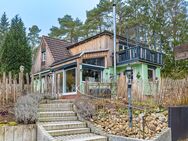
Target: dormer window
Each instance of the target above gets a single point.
(43, 56)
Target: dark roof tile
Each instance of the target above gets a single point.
(58, 48)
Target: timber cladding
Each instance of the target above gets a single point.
(95, 44)
(103, 42)
(37, 67)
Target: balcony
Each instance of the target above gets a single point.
(140, 54)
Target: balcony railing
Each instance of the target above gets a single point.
(139, 54)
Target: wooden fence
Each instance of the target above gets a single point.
(165, 91)
(12, 86)
(140, 89)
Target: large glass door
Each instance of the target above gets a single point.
(70, 80)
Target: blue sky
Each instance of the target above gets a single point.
(44, 13)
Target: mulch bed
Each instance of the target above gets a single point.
(7, 113)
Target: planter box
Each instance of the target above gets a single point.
(18, 133)
(178, 122)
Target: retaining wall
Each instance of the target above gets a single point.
(18, 133)
(42, 135)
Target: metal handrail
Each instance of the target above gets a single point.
(86, 94)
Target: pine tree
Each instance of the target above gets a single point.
(98, 18)
(33, 36)
(15, 50)
(4, 27)
(68, 29)
(34, 40)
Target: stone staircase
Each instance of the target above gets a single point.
(60, 123)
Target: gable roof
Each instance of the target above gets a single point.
(57, 48)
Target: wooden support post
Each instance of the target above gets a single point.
(45, 84)
(49, 84)
(53, 84)
(78, 73)
(58, 85)
(40, 83)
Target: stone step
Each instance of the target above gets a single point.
(56, 119)
(56, 114)
(55, 109)
(58, 101)
(65, 132)
(61, 123)
(67, 100)
(64, 125)
(82, 137)
(56, 105)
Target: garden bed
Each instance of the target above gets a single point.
(7, 116)
(112, 117)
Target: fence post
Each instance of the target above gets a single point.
(14, 90)
(32, 83)
(4, 86)
(6, 91)
(10, 84)
(27, 81)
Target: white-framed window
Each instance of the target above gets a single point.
(44, 56)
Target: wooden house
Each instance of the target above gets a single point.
(63, 67)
